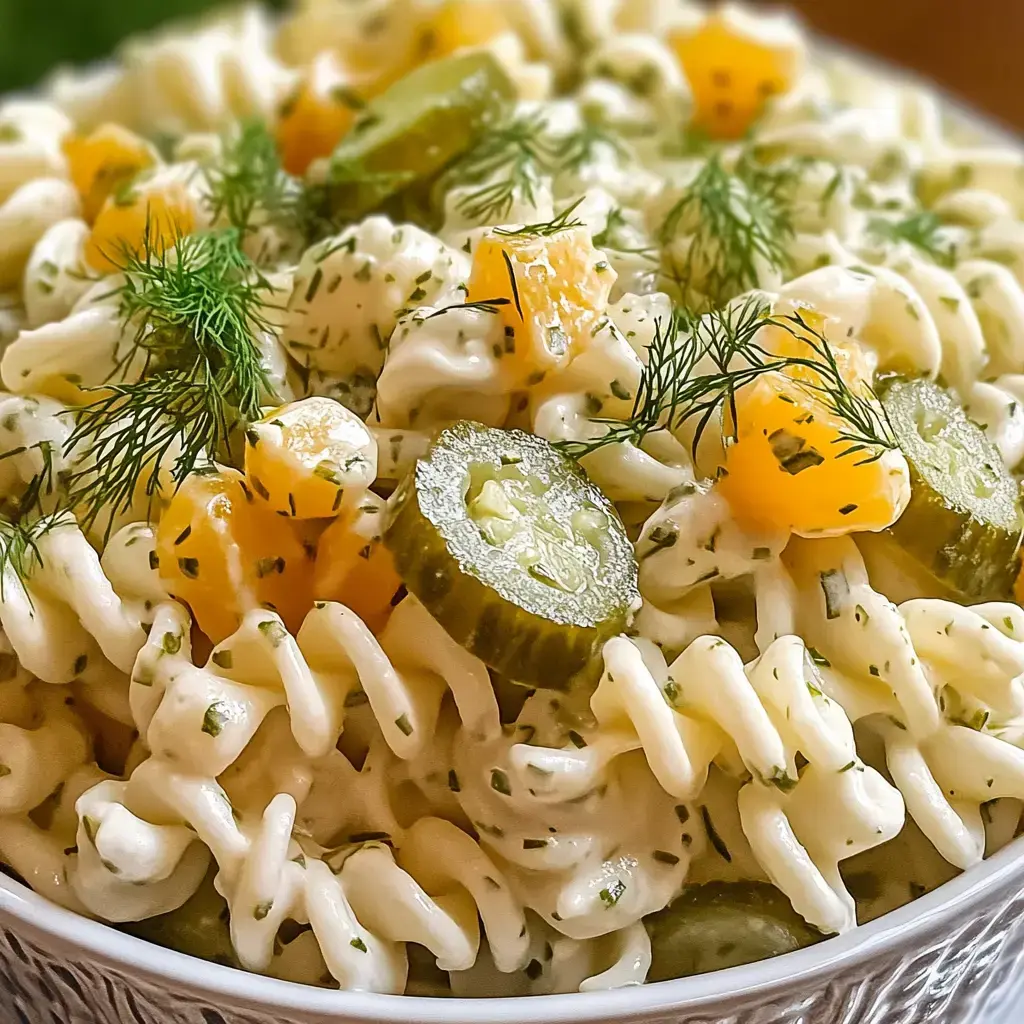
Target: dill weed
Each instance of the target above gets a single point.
(725, 230)
(696, 366)
(196, 311)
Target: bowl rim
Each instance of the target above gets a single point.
(809, 968)
(893, 932)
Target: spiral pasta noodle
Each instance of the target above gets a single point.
(492, 494)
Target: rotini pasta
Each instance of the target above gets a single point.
(492, 491)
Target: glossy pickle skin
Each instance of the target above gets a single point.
(484, 594)
(963, 524)
(724, 924)
(409, 133)
(199, 927)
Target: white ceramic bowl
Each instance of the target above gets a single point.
(953, 956)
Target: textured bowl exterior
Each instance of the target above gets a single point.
(952, 957)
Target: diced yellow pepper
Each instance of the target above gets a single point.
(222, 553)
(104, 160)
(789, 467)
(465, 24)
(165, 212)
(354, 568)
(556, 288)
(304, 459)
(319, 112)
(734, 62)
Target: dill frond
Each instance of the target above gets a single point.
(505, 163)
(611, 237)
(481, 305)
(196, 310)
(734, 222)
(545, 229)
(867, 426)
(248, 181)
(509, 160)
(923, 230)
(19, 550)
(42, 486)
(584, 147)
(695, 367)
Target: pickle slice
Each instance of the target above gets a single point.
(199, 927)
(724, 924)
(413, 129)
(515, 552)
(963, 523)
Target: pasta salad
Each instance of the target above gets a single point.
(505, 497)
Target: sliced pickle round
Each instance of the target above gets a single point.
(199, 927)
(724, 924)
(963, 524)
(414, 128)
(515, 552)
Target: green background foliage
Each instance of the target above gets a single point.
(37, 35)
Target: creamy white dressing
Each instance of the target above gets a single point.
(796, 711)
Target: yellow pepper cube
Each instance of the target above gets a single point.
(735, 61)
(318, 114)
(554, 287)
(223, 553)
(146, 217)
(104, 160)
(465, 24)
(305, 459)
(354, 567)
(790, 468)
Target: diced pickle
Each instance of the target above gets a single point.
(198, 928)
(522, 560)
(414, 128)
(963, 524)
(724, 924)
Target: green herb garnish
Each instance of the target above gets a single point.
(195, 310)
(734, 223)
(673, 389)
(923, 230)
(248, 181)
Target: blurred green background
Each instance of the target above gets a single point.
(973, 49)
(36, 35)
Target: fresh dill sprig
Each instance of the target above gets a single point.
(43, 484)
(29, 516)
(610, 237)
(695, 367)
(582, 147)
(506, 163)
(736, 224)
(563, 221)
(196, 310)
(248, 181)
(481, 305)
(867, 426)
(670, 391)
(923, 230)
(19, 546)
